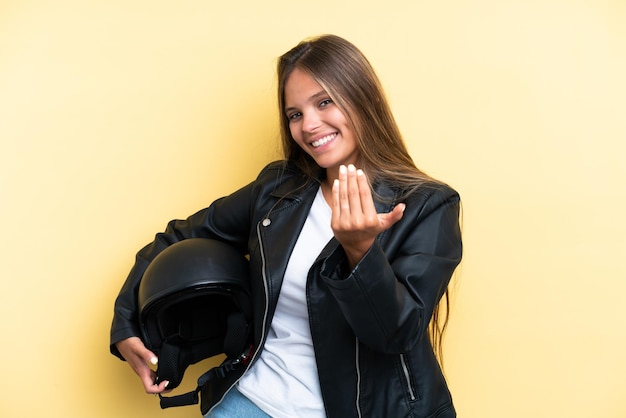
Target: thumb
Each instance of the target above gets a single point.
(150, 357)
(389, 219)
(145, 354)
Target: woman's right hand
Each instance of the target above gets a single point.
(139, 357)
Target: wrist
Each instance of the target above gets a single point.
(355, 254)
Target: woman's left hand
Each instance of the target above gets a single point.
(354, 221)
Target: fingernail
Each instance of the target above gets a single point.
(335, 183)
(154, 360)
(342, 169)
(351, 167)
(359, 172)
(167, 382)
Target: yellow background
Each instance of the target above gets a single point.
(117, 116)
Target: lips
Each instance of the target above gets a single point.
(324, 140)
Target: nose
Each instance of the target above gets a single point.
(310, 121)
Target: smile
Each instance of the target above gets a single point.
(323, 141)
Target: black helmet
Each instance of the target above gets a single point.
(194, 303)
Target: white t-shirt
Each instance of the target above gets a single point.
(283, 382)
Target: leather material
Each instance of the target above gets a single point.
(369, 325)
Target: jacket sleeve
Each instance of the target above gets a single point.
(227, 219)
(389, 297)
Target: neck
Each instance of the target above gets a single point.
(327, 189)
(331, 175)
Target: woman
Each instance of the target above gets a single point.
(351, 248)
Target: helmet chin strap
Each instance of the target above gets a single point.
(173, 358)
(219, 372)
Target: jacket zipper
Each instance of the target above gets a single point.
(256, 349)
(265, 222)
(267, 297)
(358, 378)
(407, 376)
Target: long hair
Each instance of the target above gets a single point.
(346, 75)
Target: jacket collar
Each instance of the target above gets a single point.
(293, 183)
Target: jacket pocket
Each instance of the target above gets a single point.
(407, 376)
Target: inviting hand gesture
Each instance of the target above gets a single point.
(354, 221)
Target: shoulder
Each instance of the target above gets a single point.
(428, 190)
(279, 169)
(282, 179)
(430, 196)
(435, 190)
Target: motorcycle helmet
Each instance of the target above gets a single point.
(194, 303)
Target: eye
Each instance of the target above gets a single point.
(293, 116)
(325, 102)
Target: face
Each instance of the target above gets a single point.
(317, 124)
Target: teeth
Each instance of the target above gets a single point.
(324, 140)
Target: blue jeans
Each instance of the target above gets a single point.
(235, 405)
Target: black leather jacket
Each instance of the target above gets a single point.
(369, 325)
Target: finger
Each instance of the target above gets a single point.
(148, 379)
(149, 357)
(354, 198)
(344, 202)
(153, 388)
(144, 353)
(336, 205)
(134, 347)
(365, 194)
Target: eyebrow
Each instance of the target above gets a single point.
(311, 98)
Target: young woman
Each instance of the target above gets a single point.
(351, 249)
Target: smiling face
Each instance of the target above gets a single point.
(317, 124)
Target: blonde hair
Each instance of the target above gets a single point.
(342, 70)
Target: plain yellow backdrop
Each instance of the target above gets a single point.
(117, 116)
